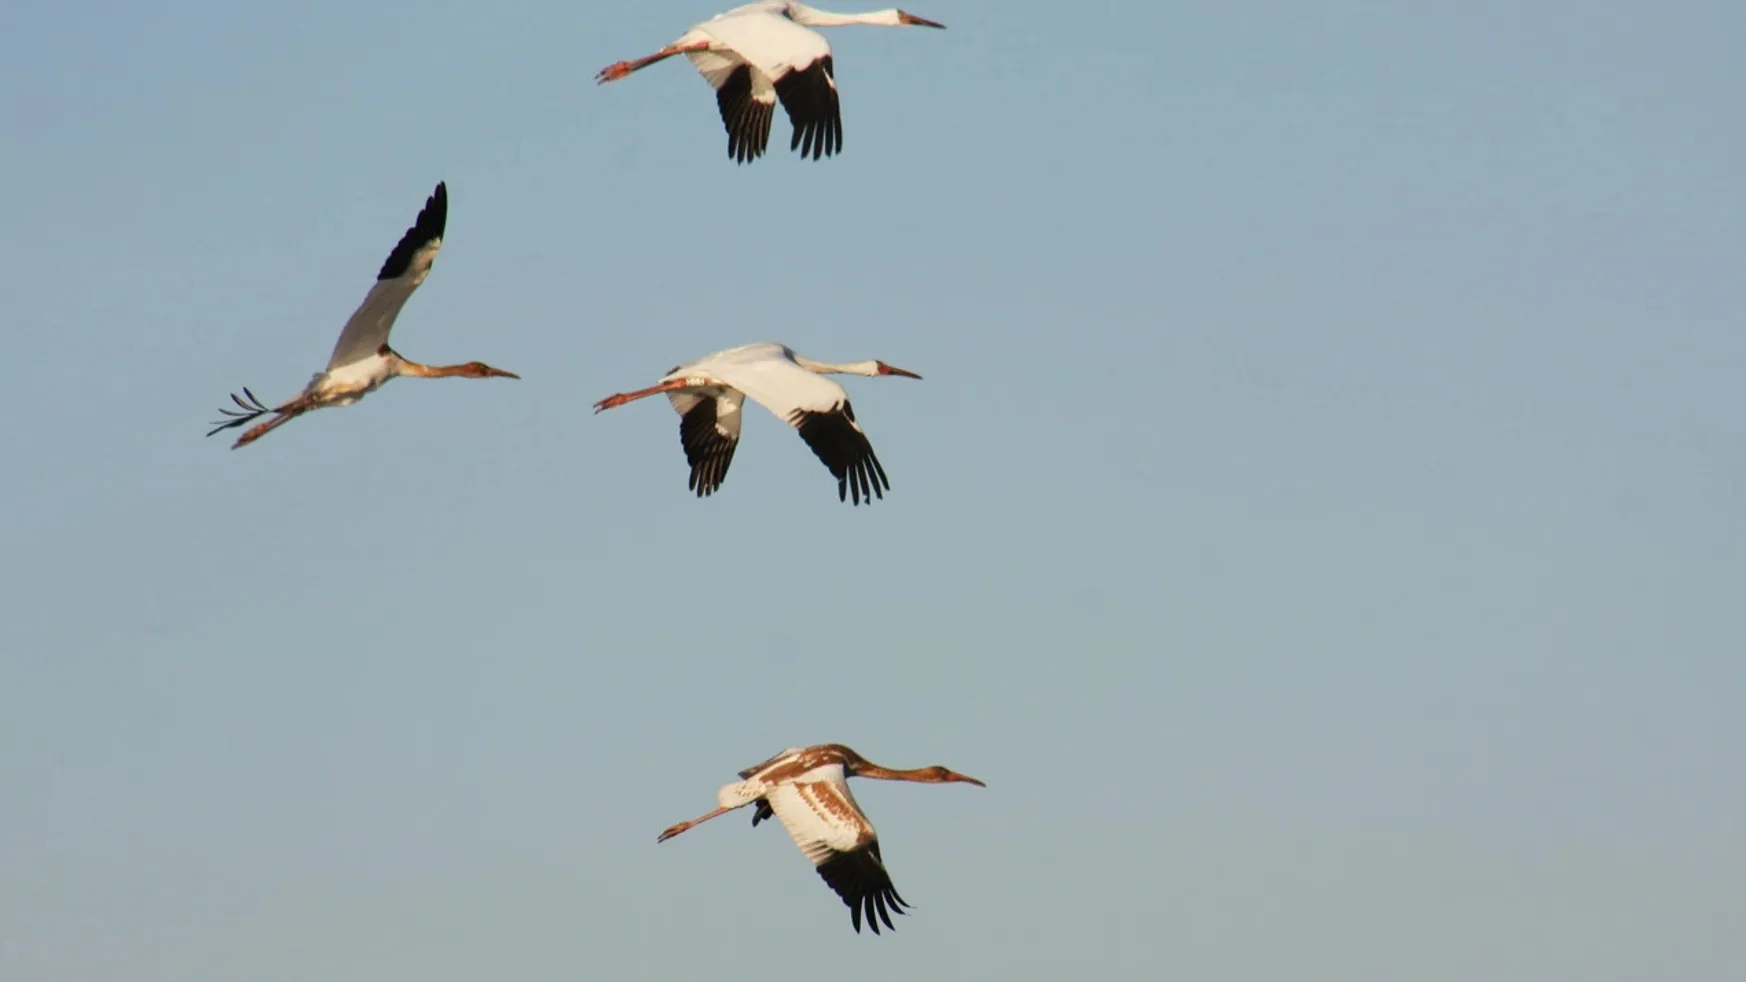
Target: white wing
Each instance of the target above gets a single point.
(745, 96)
(766, 39)
(826, 822)
(406, 267)
(821, 814)
(815, 406)
(768, 57)
(768, 373)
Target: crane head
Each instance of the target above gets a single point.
(885, 369)
(478, 369)
(909, 19)
(945, 776)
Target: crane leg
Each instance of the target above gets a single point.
(618, 70)
(262, 429)
(671, 385)
(682, 826)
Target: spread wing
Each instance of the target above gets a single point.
(809, 93)
(761, 56)
(709, 430)
(406, 268)
(746, 774)
(819, 411)
(747, 102)
(832, 832)
(841, 445)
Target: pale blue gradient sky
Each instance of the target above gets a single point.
(1323, 522)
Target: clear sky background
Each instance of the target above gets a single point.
(1322, 522)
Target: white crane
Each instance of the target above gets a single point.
(761, 52)
(362, 362)
(807, 790)
(708, 393)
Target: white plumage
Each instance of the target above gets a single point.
(404, 271)
(362, 360)
(760, 53)
(708, 394)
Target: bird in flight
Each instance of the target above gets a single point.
(362, 361)
(807, 790)
(763, 52)
(709, 392)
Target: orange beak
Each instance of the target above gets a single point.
(965, 778)
(918, 21)
(885, 369)
(500, 373)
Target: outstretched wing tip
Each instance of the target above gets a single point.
(860, 879)
(842, 446)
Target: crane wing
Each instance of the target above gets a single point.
(839, 442)
(817, 408)
(810, 96)
(828, 825)
(767, 39)
(776, 58)
(745, 95)
(709, 430)
(406, 267)
(860, 879)
(748, 102)
(746, 774)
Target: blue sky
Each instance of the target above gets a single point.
(1321, 522)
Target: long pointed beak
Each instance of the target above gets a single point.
(500, 373)
(892, 370)
(912, 19)
(967, 779)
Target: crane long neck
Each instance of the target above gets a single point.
(814, 17)
(471, 369)
(415, 369)
(833, 368)
(924, 775)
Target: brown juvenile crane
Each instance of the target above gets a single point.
(807, 790)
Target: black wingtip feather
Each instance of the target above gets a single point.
(432, 220)
(707, 449)
(747, 120)
(860, 879)
(846, 451)
(810, 96)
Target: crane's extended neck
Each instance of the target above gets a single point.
(472, 369)
(920, 775)
(868, 368)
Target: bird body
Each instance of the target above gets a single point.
(807, 790)
(362, 361)
(757, 54)
(708, 395)
(767, 372)
(346, 383)
(761, 35)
